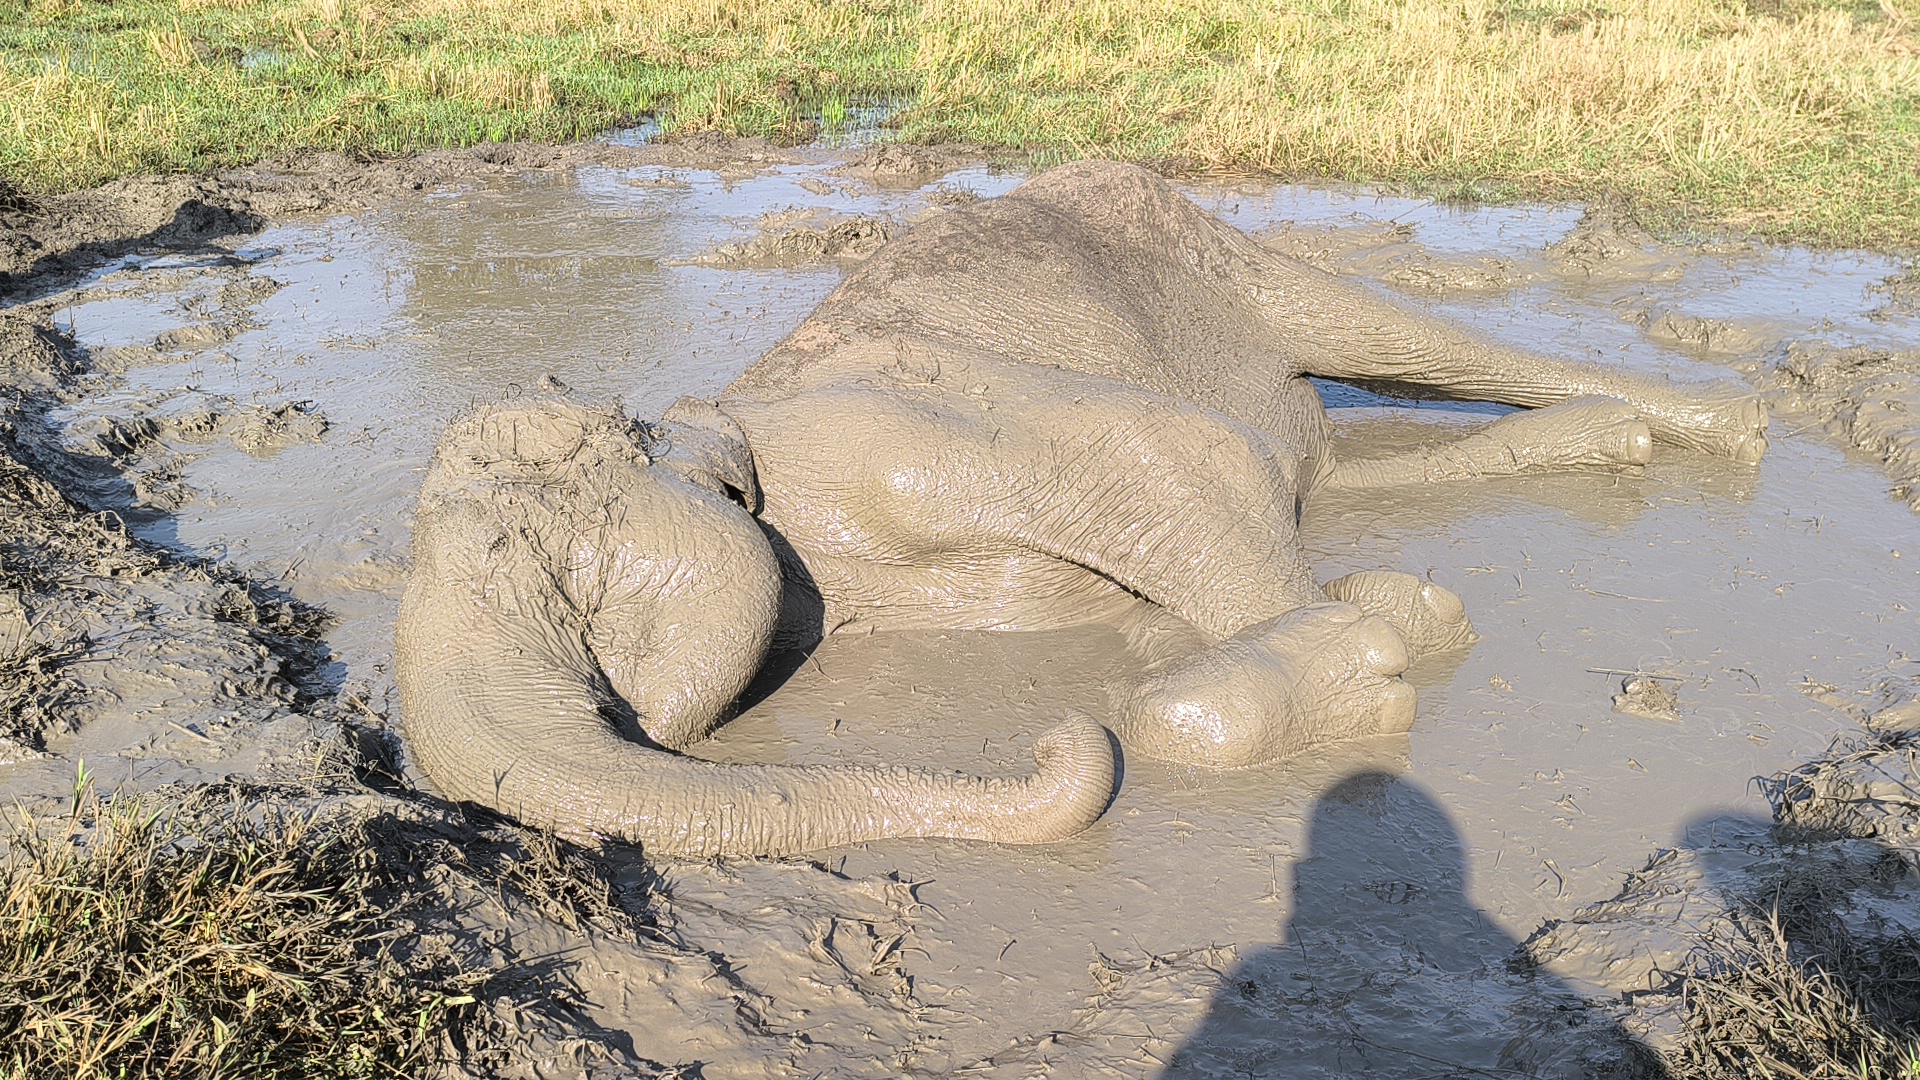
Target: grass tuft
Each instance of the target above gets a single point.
(1788, 991)
(146, 940)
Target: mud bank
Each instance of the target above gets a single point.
(212, 439)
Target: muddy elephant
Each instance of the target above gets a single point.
(1028, 412)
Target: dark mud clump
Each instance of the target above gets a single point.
(899, 165)
(1713, 339)
(785, 242)
(1866, 787)
(1900, 294)
(1605, 246)
(1648, 698)
(1420, 272)
(1868, 397)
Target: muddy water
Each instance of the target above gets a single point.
(1350, 914)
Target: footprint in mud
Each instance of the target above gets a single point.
(1386, 969)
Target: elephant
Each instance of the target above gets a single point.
(1028, 412)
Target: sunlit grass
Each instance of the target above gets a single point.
(141, 940)
(1790, 118)
(213, 934)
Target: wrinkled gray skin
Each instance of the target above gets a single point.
(1024, 413)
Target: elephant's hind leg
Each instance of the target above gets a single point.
(1322, 672)
(1592, 433)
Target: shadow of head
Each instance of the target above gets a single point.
(1386, 968)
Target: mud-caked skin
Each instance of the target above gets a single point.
(1027, 412)
(566, 585)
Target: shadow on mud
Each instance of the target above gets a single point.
(80, 233)
(1385, 961)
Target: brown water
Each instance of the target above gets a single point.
(1349, 914)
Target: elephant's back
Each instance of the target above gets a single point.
(1096, 268)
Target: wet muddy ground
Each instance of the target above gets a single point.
(266, 404)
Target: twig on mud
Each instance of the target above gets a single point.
(185, 730)
(1634, 674)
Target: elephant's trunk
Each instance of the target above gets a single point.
(556, 574)
(545, 754)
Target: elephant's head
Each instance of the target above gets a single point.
(633, 529)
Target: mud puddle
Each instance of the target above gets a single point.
(272, 407)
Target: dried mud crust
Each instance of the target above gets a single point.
(1867, 397)
(789, 240)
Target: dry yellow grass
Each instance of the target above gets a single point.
(1792, 117)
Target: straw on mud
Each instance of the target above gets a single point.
(1787, 991)
(140, 941)
(214, 937)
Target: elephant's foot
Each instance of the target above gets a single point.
(1585, 433)
(1321, 672)
(1728, 424)
(1428, 618)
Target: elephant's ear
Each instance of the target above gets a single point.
(706, 447)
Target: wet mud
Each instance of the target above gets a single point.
(211, 439)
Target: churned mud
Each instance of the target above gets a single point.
(221, 394)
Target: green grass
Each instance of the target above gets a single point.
(145, 940)
(1791, 119)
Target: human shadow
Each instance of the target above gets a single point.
(1386, 968)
